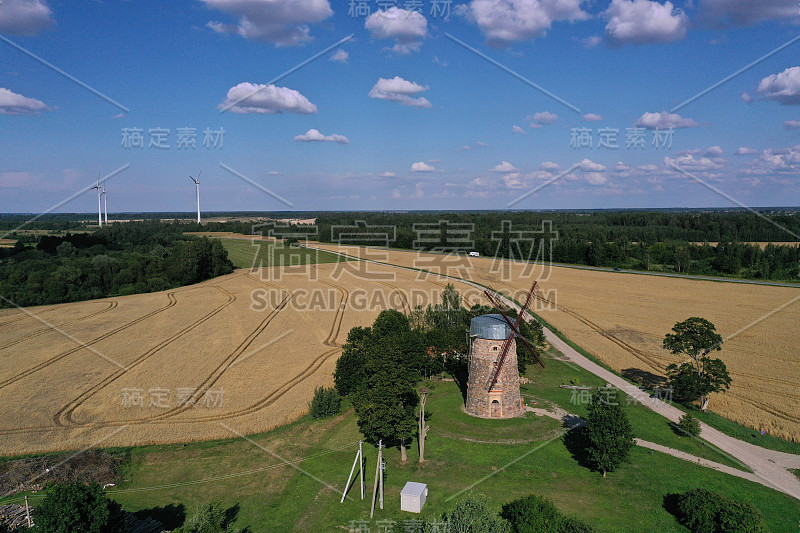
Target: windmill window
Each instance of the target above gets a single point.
(495, 348)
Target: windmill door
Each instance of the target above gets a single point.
(495, 411)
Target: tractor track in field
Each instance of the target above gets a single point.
(268, 400)
(22, 314)
(210, 380)
(771, 409)
(301, 376)
(64, 416)
(44, 364)
(48, 329)
(641, 355)
(403, 299)
(336, 327)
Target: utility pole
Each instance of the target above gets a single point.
(377, 473)
(382, 465)
(360, 461)
(361, 470)
(423, 427)
(28, 512)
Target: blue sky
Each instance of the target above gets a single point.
(401, 116)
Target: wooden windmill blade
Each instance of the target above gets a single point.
(514, 331)
(515, 327)
(500, 361)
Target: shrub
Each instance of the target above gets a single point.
(471, 515)
(326, 402)
(740, 517)
(688, 426)
(537, 514)
(703, 511)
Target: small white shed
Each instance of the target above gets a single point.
(413, 496)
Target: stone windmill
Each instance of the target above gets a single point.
(493, 386)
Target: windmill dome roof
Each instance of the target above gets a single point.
(493, 327)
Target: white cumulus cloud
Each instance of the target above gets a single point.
(544, 117)
(12, 103)
(595, 178)
(591, 41)
(266, 99)
(25, 17)
(587, 165)
(592, 117)
(665, 120)
(791, 124)
(505, 22)
(513, 181)
(505, 166)
(313, 135)
(517, 129)
(406, 27)
(421, 166)
(282, 22)
(340, 56)
(744, 150)
(783, 87)
(399, 90)
(644, 22)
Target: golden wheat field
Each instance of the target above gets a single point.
(237, 354)
(622, 319)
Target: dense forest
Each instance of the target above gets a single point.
(119, 259)
(62, 258)
(654, 241)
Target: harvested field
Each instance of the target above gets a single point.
(622, 319)
(237, 354)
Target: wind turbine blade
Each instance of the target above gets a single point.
(198, 174)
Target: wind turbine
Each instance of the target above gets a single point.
(99, 206)
(197, 189)
(105, 205)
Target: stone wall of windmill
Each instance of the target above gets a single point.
(484, 399)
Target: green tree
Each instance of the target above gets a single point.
(385, 396)
(608, 432)
(77, 508)
(688, 426)
(473, 515)
(350, 365)
(325, 403)
(697, 338)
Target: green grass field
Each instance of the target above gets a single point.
(245, 253)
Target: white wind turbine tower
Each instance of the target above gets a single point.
(105, 205)
(197, 189)
(99, 205)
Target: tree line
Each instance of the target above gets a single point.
(642, 240)
(119, 259)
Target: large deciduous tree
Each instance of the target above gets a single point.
(697, 338)
(608, 433)
(385, 395)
